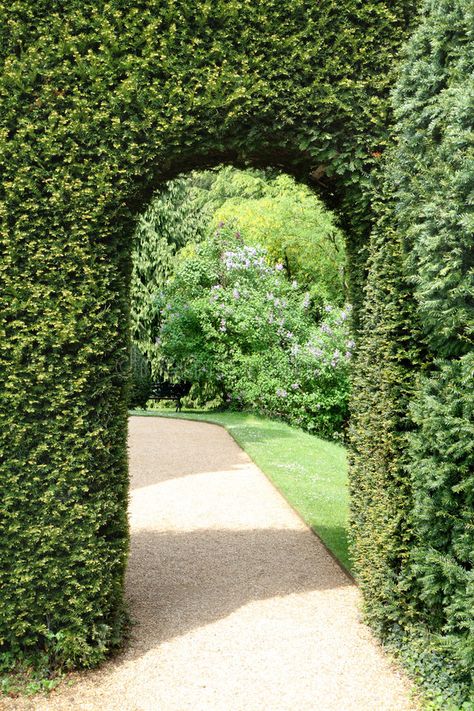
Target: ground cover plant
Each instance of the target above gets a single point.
(233, 324)
(310, 472)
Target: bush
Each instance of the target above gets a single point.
(237, 328)
(140, 381)
(273, 211)
(413, 514)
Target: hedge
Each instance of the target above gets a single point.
(413, 424)
(99, 103)
(435, 187)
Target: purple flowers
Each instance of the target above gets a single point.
(236, 294)
(223, 326)
(215, 292)
(335, 358)
(279, 267)
(246, 257)
(280, 392)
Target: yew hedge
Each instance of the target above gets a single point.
(413, 423)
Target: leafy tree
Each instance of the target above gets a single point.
(273, 210)
(297, 230)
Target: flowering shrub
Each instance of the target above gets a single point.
(238, 329)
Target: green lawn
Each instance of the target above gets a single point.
(310, 472)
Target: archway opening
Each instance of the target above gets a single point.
(239, 299)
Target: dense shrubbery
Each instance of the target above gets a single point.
(140, 379)
(435, 184)
(413, 503)
(235, 326)
(295, 227)
(272, 209)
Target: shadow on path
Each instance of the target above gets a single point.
(181, 581)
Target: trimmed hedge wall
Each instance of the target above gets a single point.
(435, 189)
(413, 425)
(100, 102)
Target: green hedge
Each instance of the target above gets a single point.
(413, 429)
(387, 361)
(99, 103)
(102, 102)
(435, 187)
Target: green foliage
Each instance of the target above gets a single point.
(435, 169)
(387, 360)
(413, 507)
(99, 103)
(442, 471)
(176, 215)
(272, 209)
(297, 230)
(236, 327)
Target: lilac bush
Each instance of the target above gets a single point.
(246, 337)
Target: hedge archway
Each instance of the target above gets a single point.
(100, 103)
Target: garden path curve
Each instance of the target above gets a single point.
(238, 606)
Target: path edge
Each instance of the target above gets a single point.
(172, 416)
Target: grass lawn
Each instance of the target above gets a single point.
(310, 472)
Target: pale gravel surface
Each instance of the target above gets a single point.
(238, 606)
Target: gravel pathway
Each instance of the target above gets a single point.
(238, 607)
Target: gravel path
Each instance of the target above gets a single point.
(238, 607)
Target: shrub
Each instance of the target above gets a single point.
(235, 326)
(140, 381)
(413, 514)
(273, 211)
